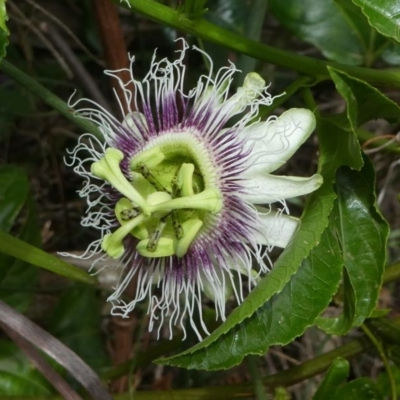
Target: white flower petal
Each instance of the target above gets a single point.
(161, 138)
(275, 141)
(271, 188)
(277, 229)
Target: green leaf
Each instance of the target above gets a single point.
(18, 278)
(23, 251)
(364, 102)
(383, 15)
(4, 32)
(244, 18)
(360, 389)
(14, 187)
(343, 323)
(280, 320)
(383, 381)
(371, 42)
(337, 147)
(335, 376)
(321, 24)
(362, 234)
(18, 376)
(76, 321)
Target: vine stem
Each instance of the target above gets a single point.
(392, 273)
(252, 365)
(213, 33)
(379, 348)
(242, 391)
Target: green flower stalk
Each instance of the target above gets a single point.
(182, 197)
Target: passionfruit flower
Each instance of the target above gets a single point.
(182, 192)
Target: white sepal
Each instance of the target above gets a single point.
(273, 142)
(271, 188)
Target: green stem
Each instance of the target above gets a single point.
(142, 358)
(310, 101)
(259, 390)
(379, 348)
(53, 101)
(317, 365)
(388, 330)
(392, 273)
(213, 33)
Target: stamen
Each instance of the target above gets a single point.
(191, 228)
(151, 157)
(165, 248)
(176, 189)
(112, 242)
(156, 198)
(124, 209)
(155, 237)
(129, 213)
(145, 171)
(108, 169)
(176, 226)
(185, 179)
(208, 200)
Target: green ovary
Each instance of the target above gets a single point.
(176, 191)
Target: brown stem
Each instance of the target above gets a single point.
(114, 46)
(116, 56)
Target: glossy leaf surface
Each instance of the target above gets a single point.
(334, 377)
(321, 24)
(360, 389)
(362, 234)
(383, 15)
(280, 320)
(338, 147)
(364, 102)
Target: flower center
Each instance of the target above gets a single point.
(171, 192)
